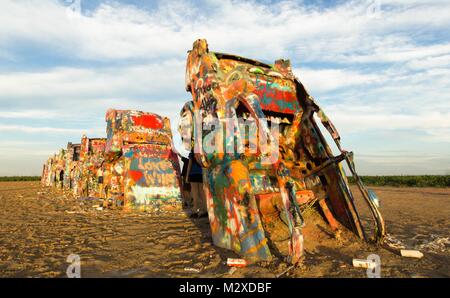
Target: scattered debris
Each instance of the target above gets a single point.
(437, 244)
(232, 270)
(190, 269)
(285, 271)
(393, 242)
(363, 263)
(236, 262)
(411, 253)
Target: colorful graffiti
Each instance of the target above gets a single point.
(257, 157)
(253, 199)
(144, 171)
(134, 167)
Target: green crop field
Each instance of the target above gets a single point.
(406, 181)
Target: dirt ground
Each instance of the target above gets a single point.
(41, 227)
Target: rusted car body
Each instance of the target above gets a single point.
(58, 167)
(92, 153)
(47, 172)
(141, 169)
(82, 163)
(72, 162)
(268, 157)
(53, 170)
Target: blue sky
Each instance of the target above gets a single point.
(380, 69)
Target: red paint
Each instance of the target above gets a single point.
(150, 150)
(279, 100)
(136, 175)
(148, 121)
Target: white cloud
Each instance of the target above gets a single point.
(325, 80)
(430, 62)
(387, 72)
(28, 114)
(63, 82)
(436, 124)
(117, 31)
(46, 129)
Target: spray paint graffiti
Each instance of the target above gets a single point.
(251, 129)
(253, 198)
(135, 166)
(143, 170)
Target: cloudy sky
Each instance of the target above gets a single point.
(380, 69)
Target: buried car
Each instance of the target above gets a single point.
(89, 173)
(141, 169)
(47, 176)
(53, 170)
(72, 162)
(263, 155)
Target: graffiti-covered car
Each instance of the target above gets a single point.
(47, 172)
(53, 170)
(89, 174)
(141, 170)
(72, 162)
(263, 155)
(58, 167)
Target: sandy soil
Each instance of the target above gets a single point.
(41, 227)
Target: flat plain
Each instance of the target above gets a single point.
(41, 227)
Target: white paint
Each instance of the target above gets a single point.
(144, 193)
